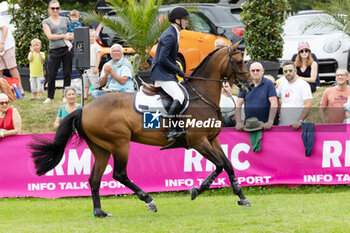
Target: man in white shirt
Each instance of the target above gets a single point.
(228, 105)
(7, 53)
(295, 98)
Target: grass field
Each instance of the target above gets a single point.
(274, 209)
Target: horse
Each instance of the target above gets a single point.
(110, 122)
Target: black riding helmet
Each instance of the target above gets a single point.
(178, 13)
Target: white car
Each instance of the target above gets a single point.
(331, 47)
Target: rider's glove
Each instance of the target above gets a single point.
(181, 74)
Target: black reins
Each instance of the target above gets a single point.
(204, 97)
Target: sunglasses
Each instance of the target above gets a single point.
(255, 70)
(340, 75)
(304, 51)
(286, 71)
(55, 8)
(3, 103)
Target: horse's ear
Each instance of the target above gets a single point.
(235, 46)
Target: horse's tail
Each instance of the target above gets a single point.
(47, 153)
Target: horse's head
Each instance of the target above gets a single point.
(236, 69)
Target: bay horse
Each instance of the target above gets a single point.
(109, 123)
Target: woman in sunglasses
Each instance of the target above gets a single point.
(55, 28)
(10, 120)
(306, 66)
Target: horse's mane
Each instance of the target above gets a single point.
(204, 61)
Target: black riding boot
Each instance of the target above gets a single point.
(174, 132)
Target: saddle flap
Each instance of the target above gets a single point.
(150, 89)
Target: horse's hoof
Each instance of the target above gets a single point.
(194, 193)
(244, 202)
(151, 206)
(101, 214)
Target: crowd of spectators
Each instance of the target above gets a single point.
(286, 101)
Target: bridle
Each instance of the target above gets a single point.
(206, 99)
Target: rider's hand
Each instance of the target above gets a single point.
(181, 74)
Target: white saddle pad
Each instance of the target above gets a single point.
(145, 103)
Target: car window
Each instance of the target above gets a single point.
(221, 17)
(296, 25)
(109, 37)
(199, 23)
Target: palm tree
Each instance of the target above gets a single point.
(137, 23)
(338, 16)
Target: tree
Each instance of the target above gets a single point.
(297, 5)
(137, 23)
(27, 20)
(338, 16)
(263, 21)
(81, 5)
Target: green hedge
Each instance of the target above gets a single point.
(27, 20)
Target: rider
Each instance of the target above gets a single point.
(164, 67)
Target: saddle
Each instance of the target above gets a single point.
(152, 91)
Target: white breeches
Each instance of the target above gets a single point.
(172, 89)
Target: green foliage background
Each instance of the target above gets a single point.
(29, 16)
(263, 28)
(27, 20)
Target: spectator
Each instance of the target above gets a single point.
(10, 120)
(347, 111)
(307, 68)
(228, 105)
(74, 22)
(219, 43)
(317, 82)
(36, 61)
(7, 53)
(91, 75)
(260, 102)
(71, 95)
(116, 74)
(334, 98)
(295, 98)
(55, 29)
(270, 77)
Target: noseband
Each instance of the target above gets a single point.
(234, 72)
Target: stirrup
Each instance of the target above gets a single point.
(173, 134)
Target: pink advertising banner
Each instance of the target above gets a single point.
(281, 160)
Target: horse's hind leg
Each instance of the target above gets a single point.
(120, 174)
(101, 160)
(231, 174)
(209, 153)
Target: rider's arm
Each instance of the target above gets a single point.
(166, 46)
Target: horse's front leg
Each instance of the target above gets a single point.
(231, 174)
(206, 149)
